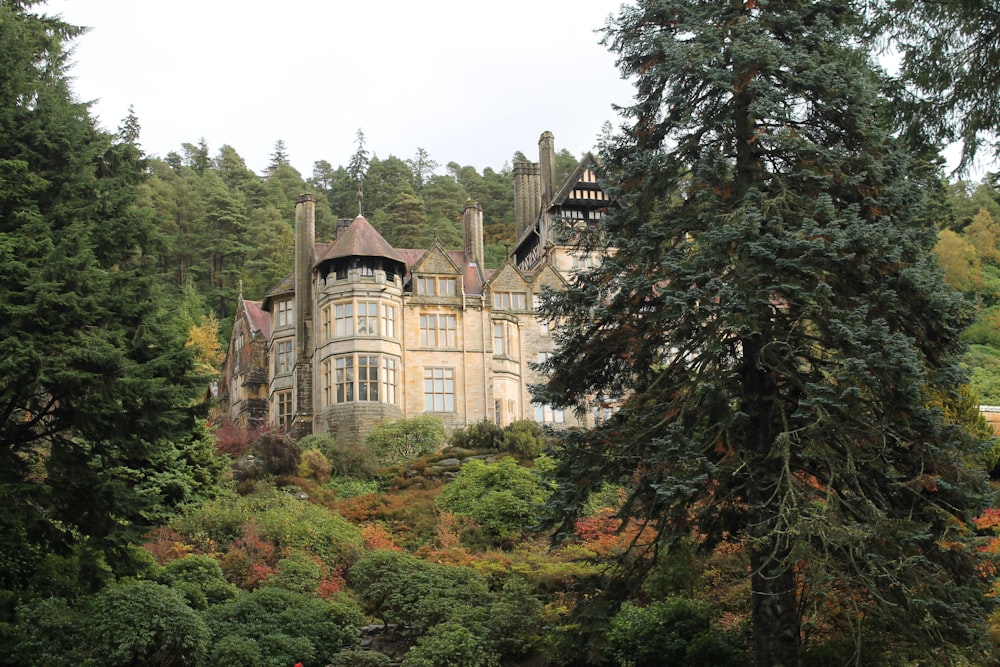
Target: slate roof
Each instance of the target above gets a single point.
(360, 240)
(257, 318)
(470, 276)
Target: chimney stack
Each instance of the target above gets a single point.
(527, 196)
(305, 239)
(547, 167)
(472, 231)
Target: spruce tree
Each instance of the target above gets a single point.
(769, 314)
(101, 432)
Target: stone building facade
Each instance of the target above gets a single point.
(363, 332)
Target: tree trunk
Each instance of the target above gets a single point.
(775, 613)
(772, 580)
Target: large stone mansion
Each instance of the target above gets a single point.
(362, 332)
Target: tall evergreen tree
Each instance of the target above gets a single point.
(100, 430)
(769, 314)
(949, 68)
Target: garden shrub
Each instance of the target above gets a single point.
(673, 632)
(47, 631)
(504, 498)
(144, 623)
(289, 626)
(199, 579)
(450, 644)
(233, 651)
(276, 454)
(360, 658)
(298, 572)
(412, 593)
(347, 459)
(313, 464)
(481, 435)
(524, 438)
(406, 439)
(294, 524)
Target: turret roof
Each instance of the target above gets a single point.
(360, 240)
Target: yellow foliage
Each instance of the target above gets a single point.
(204, 338)
(959, 259)
(983, 234)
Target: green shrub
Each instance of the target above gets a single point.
(524, 438)
(481, 435)
(406, 439)
(294, 524)
(414, 594)
(297, 572)
(447, 645)
(347, 487)
(289, 626)
(47, 631)
(233, 651)
(144, 623)
(199, 579)
(360, 658)
(504, 498)
(674, 632)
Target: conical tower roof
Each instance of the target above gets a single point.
(361, 240)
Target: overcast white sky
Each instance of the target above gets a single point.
(467, 80)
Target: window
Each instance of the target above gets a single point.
(439, 389)
(283, 357)
(544, 356)
(344, 379)
(327, 382)
(499, 339)
(367, 378)
(367, 270)
(325, 318)
(388, 321)
(438, 330)
(504, 339)
(388, 380)
(510, 300)
(284, 409)
(436, 285)
(545, 414)
(363, 378)
(283, 312)
(367, 318)
(343, 320)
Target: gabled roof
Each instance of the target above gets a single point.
(471, 284)
(360, 240)
(257, 318)
(588, 162)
